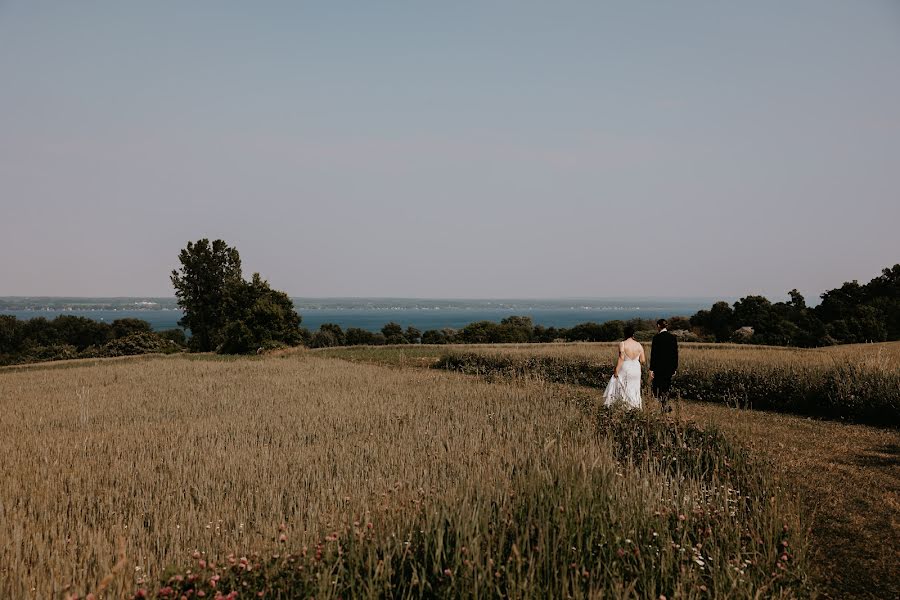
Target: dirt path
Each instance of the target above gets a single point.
(847, 476)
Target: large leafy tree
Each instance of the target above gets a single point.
(256, 315)
(207, 272)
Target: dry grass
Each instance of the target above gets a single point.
(851, 383)
(882, 355)
(172, 455)
(848, 476)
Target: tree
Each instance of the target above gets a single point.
(413, 335)
(255, 315)
(323, 338)
(479, 332)
(39, 332)
(201, 284)
(434, 336)
(357, 336)
(393, 333)
(11, 334)
(174, 335)
(676, 323)
(123, 327)
(543, 335)
(596, 332)
(516, 329)
(717, 321)
(797, 300)
(80, 332)
(337, 334)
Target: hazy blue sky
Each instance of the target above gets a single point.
(451, 149)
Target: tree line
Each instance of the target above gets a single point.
(227, 314)
(852, 313)
(69, 336)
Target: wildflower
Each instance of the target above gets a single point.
(448, 572)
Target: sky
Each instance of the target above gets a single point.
(451, 149)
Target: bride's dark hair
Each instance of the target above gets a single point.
(629, 331)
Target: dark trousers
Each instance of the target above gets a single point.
(660, 385)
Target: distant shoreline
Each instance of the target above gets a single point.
(423, 318)
(72, 303)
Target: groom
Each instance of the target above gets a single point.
(663, 363)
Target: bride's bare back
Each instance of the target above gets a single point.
(632, 350)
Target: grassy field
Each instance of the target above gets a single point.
(354, 480)
(880, 356)
(846, 476)
(849, 383)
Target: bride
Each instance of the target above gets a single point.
(625, 384)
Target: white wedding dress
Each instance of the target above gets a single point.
(626, 389)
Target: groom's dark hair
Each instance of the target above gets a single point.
(629, 331)
(662, 323)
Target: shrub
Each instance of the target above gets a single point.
(50, 352)
(175, 335)
(136, 343)
(125, 327)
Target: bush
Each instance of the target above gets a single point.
(175, 335)
(125, 327)
(51, 352)
(136, 343)
(237, 339)
(323, 338)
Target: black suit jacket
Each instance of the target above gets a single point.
(664, 353)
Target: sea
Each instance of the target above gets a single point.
(373, 314)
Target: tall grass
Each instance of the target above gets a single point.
(859, 385)
(388, 482)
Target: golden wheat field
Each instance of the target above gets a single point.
(885, 356)
(169, 456)
(882, 355)
(174, 455)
